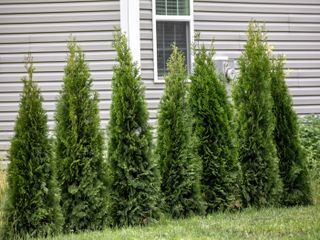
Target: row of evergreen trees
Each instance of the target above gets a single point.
(270, 154)
(206, 157)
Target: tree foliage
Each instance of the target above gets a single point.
(310, 140)
(135, 179)
(292, 159)
(253, 103)
(213, 127)
(32, 205)
(79, 148)
(179, 164)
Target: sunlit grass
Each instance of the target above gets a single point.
(2, 191)
(272, 223)
(2, 184)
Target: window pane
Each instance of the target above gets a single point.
(161, 7)
(167, 33)
(183, 7)
(172, 7)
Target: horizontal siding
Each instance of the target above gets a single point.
(57, 27)
(300, 82)
(55, 57)
(59, 17)
(40, 7)
(263, 8)
(57, 1)
(270, 18)
(55, 37)
(272, 27)
(274, 2)
(293, 30)
(48, 47)
(42, 27)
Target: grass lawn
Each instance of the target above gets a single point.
(273, 223)
(2, 190)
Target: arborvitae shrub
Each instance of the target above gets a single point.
(32, 205)
(79, 148)
(212, 113)
(135, 179)
(310, 140)
(292, 159)
(179, 164)
(253, 102)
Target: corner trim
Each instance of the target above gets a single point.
(130, 25)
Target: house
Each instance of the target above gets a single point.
(42, 28)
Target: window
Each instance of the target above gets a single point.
(172, 22)
(167, 33)
(172, 7)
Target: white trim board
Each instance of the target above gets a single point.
(130, 25)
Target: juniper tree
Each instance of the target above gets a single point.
(179, 165)
(212, 113)
(255, 120)
(135, 179)
(32, 205)
(79, 148)
(292, 160)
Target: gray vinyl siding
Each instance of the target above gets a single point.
(293, 29)
(42, 28)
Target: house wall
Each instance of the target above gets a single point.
(42, 28)
(293, 29)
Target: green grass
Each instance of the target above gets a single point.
(2, 191)
(272, 223)
(2, 183)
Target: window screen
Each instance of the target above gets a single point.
(172, 7)
(167, 33)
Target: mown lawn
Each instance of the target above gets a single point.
(273, 223)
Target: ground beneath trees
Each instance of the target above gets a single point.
(272, 223)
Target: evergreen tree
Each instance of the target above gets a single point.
(292, 160)
(253, 103)
(32, 205)
(135, 179)
(79, 148)
(212, 113)
(179, 164)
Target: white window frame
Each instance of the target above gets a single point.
(169, 18)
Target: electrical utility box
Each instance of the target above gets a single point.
(226, 66)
